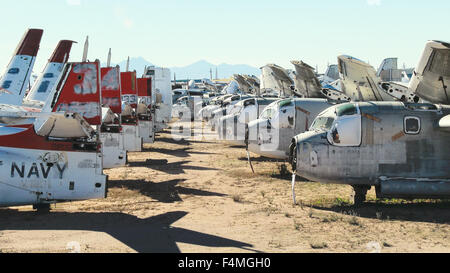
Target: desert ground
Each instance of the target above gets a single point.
(201, 196)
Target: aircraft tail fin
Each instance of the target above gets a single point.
(14, 82)
(129, 88)
(48, 78)
(78, 91)
(111, 89)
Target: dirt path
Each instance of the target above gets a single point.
(194, 196)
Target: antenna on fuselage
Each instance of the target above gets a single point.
(86, 47)
(128, 63)
(108, 64)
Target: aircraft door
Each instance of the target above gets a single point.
(250, 111)
(284, 123)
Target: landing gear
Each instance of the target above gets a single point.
(42, 208)
(360, 194)
(293, 156)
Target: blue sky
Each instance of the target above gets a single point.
(255, 32)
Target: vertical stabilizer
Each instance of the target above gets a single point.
(49, 77)
(78, 91)
(14, 82)
(129, 88)
(111, 90)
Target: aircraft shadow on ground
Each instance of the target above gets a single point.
(169, 168)
(262, 159)
(165, 192)
(151, 235)
(183, 141)
(183, 152)
(431, 212)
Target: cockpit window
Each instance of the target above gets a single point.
(412, 125)
(236, 109)
(348, 109)
(249, 102)
(440, 62)
(267, 113)
(322, 123)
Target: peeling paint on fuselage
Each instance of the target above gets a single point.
(422, 155)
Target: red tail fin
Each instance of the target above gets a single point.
(145, 90)
(29, 45)
(62, 51)
(129, 87)
(80, 91)
(111, 90)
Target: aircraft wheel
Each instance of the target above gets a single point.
(360, 194)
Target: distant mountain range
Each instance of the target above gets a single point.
(197, 70)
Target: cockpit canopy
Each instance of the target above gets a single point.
(342, 123)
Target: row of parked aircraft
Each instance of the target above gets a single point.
(77, 119)
(353, 125)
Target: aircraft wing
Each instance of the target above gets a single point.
(280, 73)
(306, 81)
(359, 80)
(431, 78)
(243, 84)
(276, 78)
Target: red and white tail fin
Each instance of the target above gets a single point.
(49, 77)
(145, 91)
(111, 90)
(129, 88)
(14, 82)
(78, 91)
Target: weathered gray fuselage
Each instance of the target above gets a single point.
(271, 134)
(397, 142)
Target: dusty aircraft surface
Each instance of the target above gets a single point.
(398, 147)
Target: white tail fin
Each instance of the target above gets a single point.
(49, 77)
(14, 82)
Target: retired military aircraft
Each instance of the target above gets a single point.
(271, 133)
(400, 148)
(130, 123)
(53, 154)
(231, 128)
(111, 130)
(144, 109)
